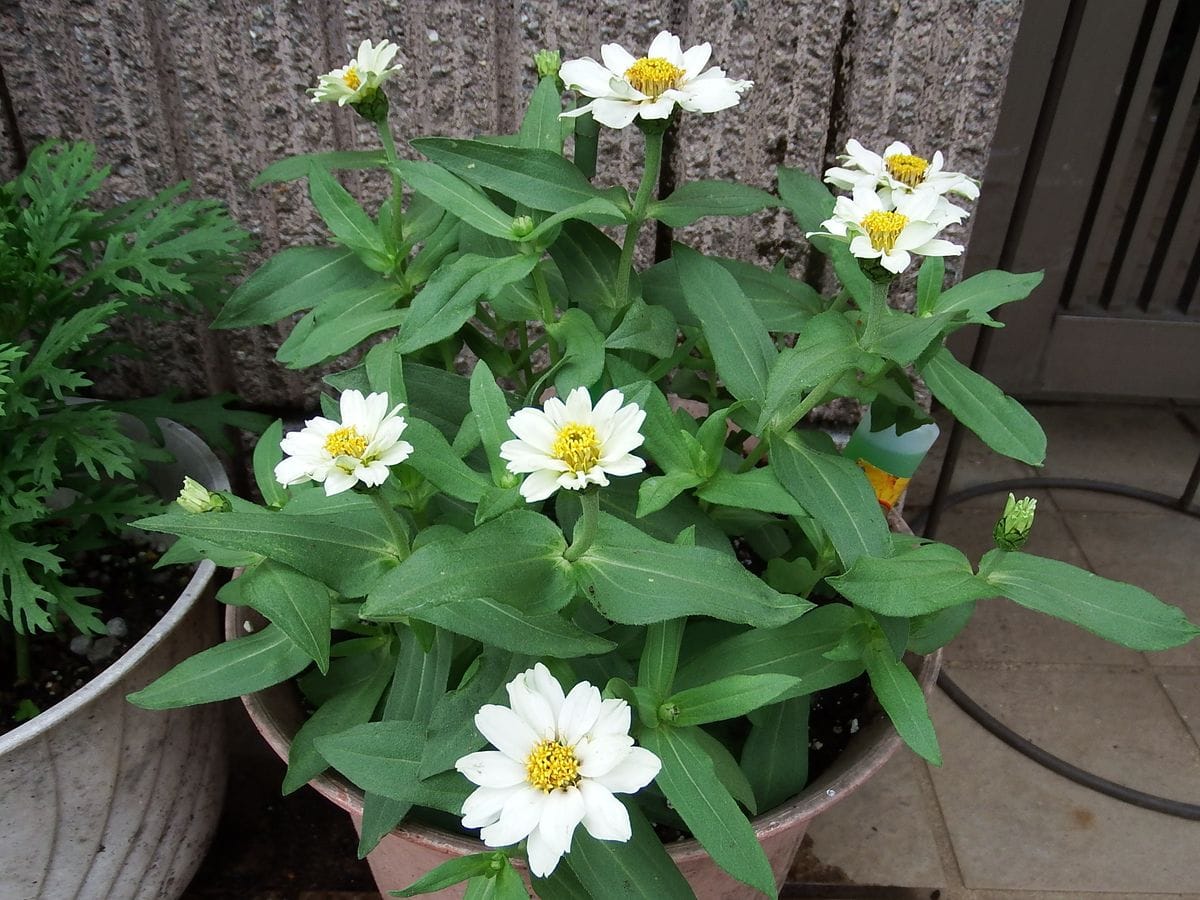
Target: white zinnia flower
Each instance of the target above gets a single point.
(890, 235)
(359, 78)
(624, 87)
(558, 762)
(340, 454)
(571, 445)
(898, 170)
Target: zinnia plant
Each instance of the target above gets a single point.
(595, 588)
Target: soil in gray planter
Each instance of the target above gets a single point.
(133, 597)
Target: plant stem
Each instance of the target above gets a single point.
(645, 192)
(21, 646)
(547, 304)
(392, 519)
(585, 528)
(389, 150)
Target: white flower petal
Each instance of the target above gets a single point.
(616, 58)
(623, 465)
(709, 95)
(896, 261)
(543, 855)
(534, 428)
(634, 772)
(606, 818)
(492, 769)
(586, 76)
(579, 713)
(615, 718)
(520, 814)
(337, 481)
(695, 59)
(483, 806)
(564, 810)
(614, 113)
(939, 248)
(862, 247)
(531, 706)
(599, 755)
(292, 470)
(539, 485)
(506, 731)
(666, 46)
(540, 679)
(658, 109)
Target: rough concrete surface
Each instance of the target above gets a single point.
(213, 91)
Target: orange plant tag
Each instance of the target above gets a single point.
(888, 487)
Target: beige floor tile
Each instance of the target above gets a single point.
(1144, 446)
(1183, 687)
(882, 834)
(1158, 551)
(1016, 826)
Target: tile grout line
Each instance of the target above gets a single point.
(941, 831)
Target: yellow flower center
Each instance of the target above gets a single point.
(883, 228)
(351, 78)
(346, 442)
(653, 75)
(551, 766)
(578, 446)
(906, 168)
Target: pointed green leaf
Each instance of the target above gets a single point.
(915, 580)
(757, 489)
(929, 284)
(541, 128)
(292, 167)
(267, 455)
(292, 280)
(296, 604)
(509, 628)
(981, 293)
(433, 458)
(456, 197)
(696, 199)
(901, 697)
(775, 755)
(346, 219)
(727, 698)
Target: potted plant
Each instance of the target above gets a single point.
(100, 799)
(611, 551)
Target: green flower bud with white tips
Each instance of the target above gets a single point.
(1012, 531)
(548, 62)
(196, 498)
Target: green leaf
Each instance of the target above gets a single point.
(691, 785)
(509, 628)
(515, 559)
(539, 179)
(974, 297)
(418, 682)
(292, 280)
(697, 199)
(583, 350)
(999, 420)
(727, 698)
(929, 283)
(346, 219)
(660, 656)
(775, 755)
(456, 197)
(665, 440)
(937, 629)
(901, 697)
(637, 869)
(491, 412)
(659, 490)
(434, 459)
(796, 649)
(299, 166)
(453, 871)
(588, 260)
(1115, 611)
(296, 604)
(650, 329)
(914, 581)
(341, 322)
(267, 455)
(826, 347)
(352, 705)
(383, 757)
(227, 670)
(757, 489)
(541, 128)
(727, 770)
(740, 344)
(625, 566)
(448, 298)
(836, 493)
(809, 200)
(346, 558)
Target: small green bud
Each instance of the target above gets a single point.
(196, 498)
(1012, 531)
(522, 226)
(548, 62)
(668, 712)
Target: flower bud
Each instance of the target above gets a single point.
(1012, 531)
(548, 62)
(196, 498)
(522, 226)
(373, 106)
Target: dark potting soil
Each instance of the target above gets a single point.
(133, 597)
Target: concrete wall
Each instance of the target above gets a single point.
(213, 91)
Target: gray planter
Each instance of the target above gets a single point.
(101, 799)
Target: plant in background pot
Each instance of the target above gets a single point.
(79, 770)
(585, 600)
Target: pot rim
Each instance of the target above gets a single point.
(878, 741)
(197, 458)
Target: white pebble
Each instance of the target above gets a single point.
(830, 792)
(80, 644)
(433, 35)
(116, 627)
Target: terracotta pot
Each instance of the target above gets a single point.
(102, 799)
(412, 849)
